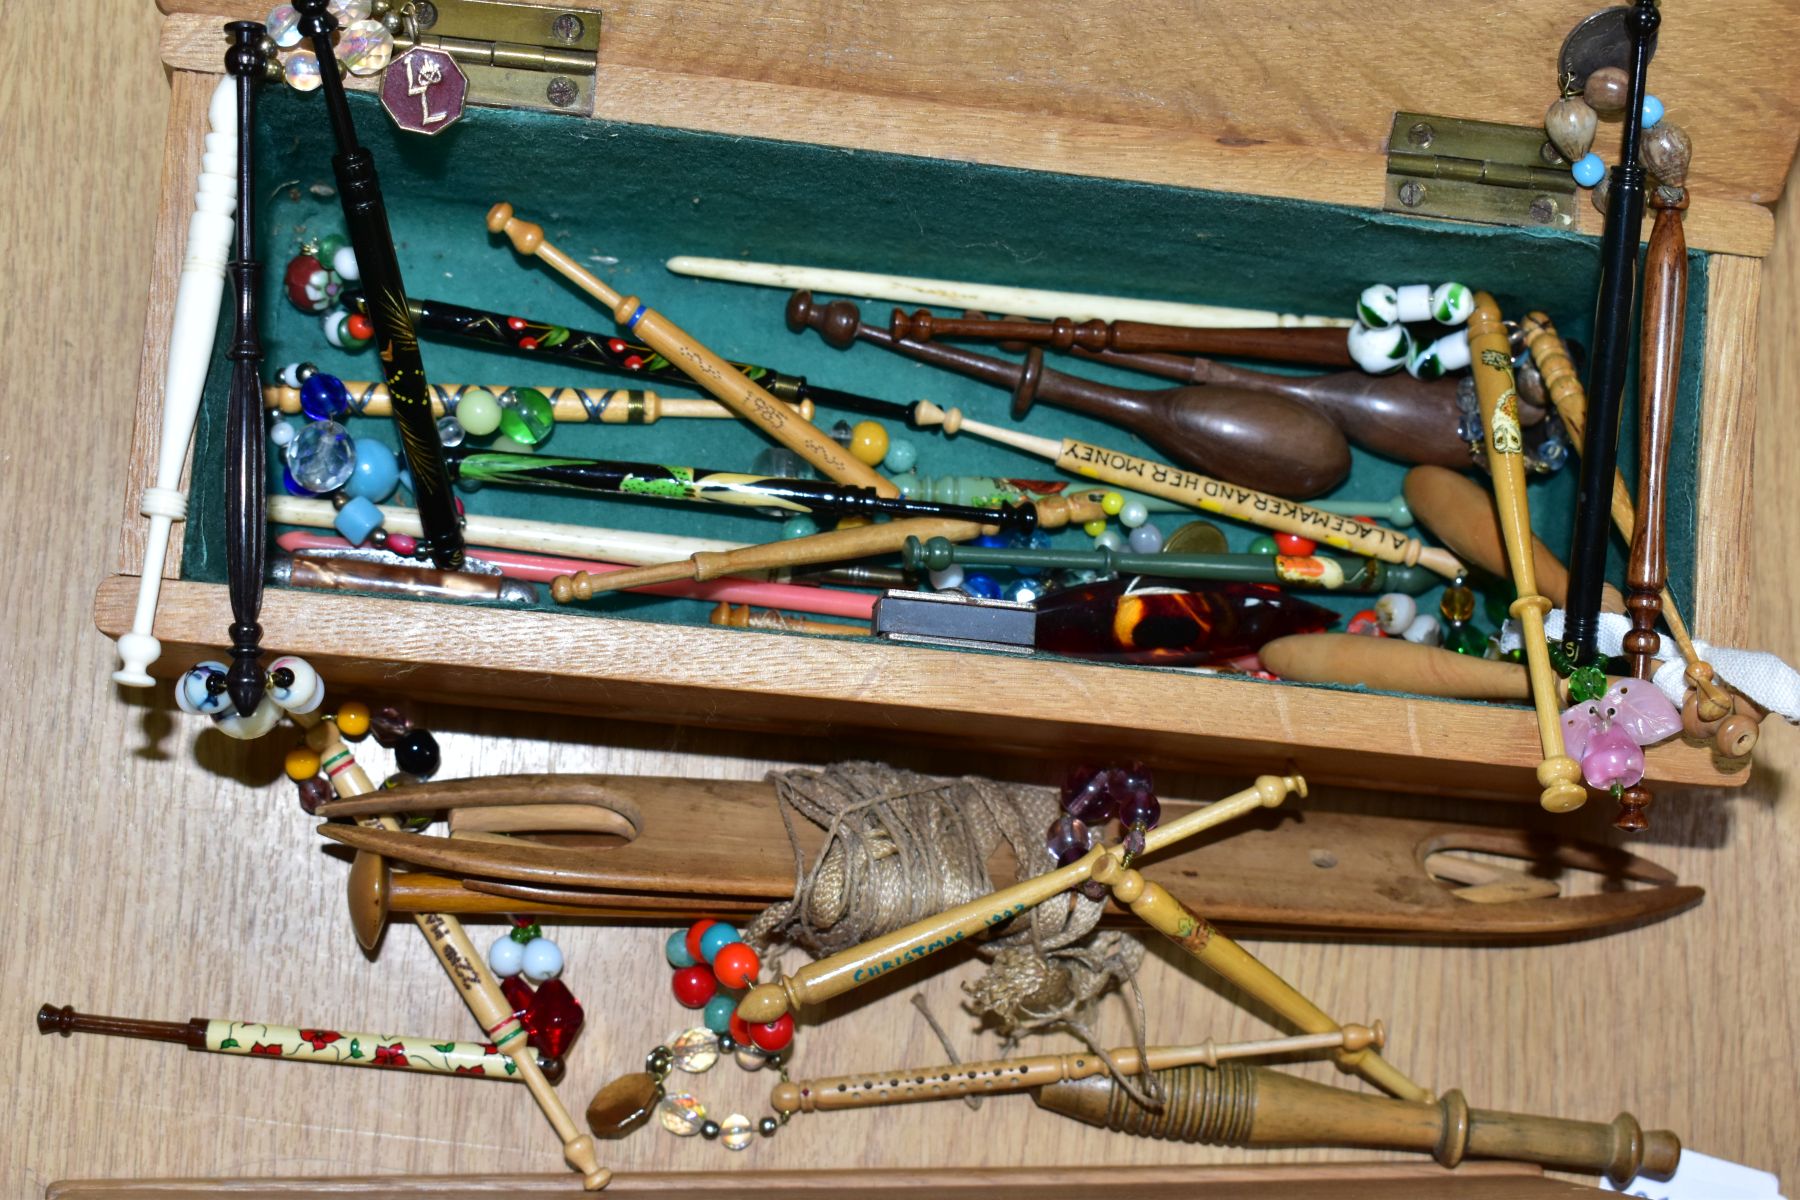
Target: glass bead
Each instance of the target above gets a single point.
(780, 463)
(1112, 539)
(301, 71)
(984, 586)
(294, 374)
(1457, 604)
(1395, 612)
(479, 412)
(347, 11)
(1134, 513)
(542, 960)
(1088, 796)
(336, 325)
(1586, 683)
(681, 1114)
(1138, 805)
(450, 432)
(343, 261)
(736, 1133)
(400, 779)
(554, 1018)
(716, 938)
(505, 957)
(324, 397)
(736, 965)
(1112, 503)
(990, 541)
(1652, 113)
(840, 433)
(389, 723)
(695, 932)
(1589, 169)
(1146, 539)
(518, 995)
(301, 763)
(402, 545)
(1026, 591)
(767, 1126)
(281, 433)
(417, 753)
(709, 1130)
(1452, 304)
(526, 415)
(1607, 89)
(1570, 123)
(694, 986)
(1067, 839)
(1465, 639)
(798, 527)
(377, 472)
(946, 580)
(365, 47)
(622, 1105)
(869, 442)
(675, 950)
(1379, 351)
(775, 1036)
(1424, 630)
(303, 690)
(694, 1050)
(259, 722)
(314, 792)
(192, 695)
(525, 932)
(718, 1012)
(1378, 307)
(283, 25)
(749, 1058)
(902, 455)
(1094, 528)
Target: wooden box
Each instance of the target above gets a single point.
(1065, 147)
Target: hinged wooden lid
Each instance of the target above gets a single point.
(1292, 99)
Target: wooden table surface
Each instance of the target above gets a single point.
(158, 870)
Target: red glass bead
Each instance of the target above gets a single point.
(301, 270)
(1295, 545)
(1366, 623)
(314, 792)
(736, 966)
(518, 994)
(694, 986)
(389, 724)
(359, 327)
(402, 545)
(774, 1037)
(554, 1018)
(740, 1029)
(693, 937)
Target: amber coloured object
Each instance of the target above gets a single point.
(622, 1105)
(1173, 626)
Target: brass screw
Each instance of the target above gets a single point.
(1420, 135)
(1412, 193)
(561, 91)
(567, 29)
(1543, 210)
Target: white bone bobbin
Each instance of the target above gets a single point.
(197, 302)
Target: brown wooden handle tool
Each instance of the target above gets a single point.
(1302, 345)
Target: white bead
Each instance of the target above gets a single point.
(1452, 304)
(253, 726)
(1378, 306)
(1146, 539)
(1413, 302)
(1395, 611)
(1424, 631)
(281, 432)
(1379, 351)
(191, 695)
(344, 263)
(1134, 513)
(946, 579)
(1449, 353)
(542, 961)
(1109, 540)
(506, 956)
(303, 695)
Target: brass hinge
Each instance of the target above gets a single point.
(515, 55)
(1477, 171)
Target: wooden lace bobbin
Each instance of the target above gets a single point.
(707, 369)
(198, 298)
(1711, 702)
(836, 545)
(742, 616)
(568, 405)
(466, 967)
(1559, 775)
(953, 1080)
(1393, 664)
(1026, 302)
(1307, 346)
(1240, 1105)
(1206, 494)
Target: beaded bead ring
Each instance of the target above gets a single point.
(1572, 121)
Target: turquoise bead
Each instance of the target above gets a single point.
(1653, 111)
(718, 1014)
(357, 520)
(798, 527)
(718, 936)
(675, 950)
(377, 471)
(901, 456)
(1589, 170)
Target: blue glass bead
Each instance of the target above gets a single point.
(719, 1011)
(293, 485)
(324, 397)
(322, 456)
(718, 936)
(901, 456)
(991, 541)
(1653, 111)
(1589, 170)
(377, 471)
(982, 586)
(798, 527)
(676, 951)
(357, 520)
(1146, 539)
(1026, 591)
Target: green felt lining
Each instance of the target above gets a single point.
(640, 194)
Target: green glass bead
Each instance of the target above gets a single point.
(525, 934)
(1458, 604)
(526, 415)
(478, 412)
(1586, 683)
(1560, 660)
(1465, 639)
(1264, 545)
(1494, 602)
(329, 245)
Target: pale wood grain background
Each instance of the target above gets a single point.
(161, 872)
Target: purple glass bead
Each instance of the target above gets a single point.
(1138, 805)
(324, 397)
(314, 792)
(1067, 840)
(1089, 796)
(389, 724)
(1612, 758)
